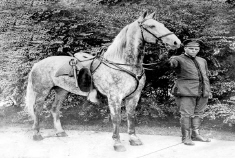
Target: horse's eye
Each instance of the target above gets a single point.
(152, 26)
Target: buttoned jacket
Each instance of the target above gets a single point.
(192, 76)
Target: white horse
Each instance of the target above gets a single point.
(119, 76)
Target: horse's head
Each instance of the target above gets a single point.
(152, 31)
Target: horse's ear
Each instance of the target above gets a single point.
(151, 16)
(142, 17)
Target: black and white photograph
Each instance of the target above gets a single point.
(117, 78)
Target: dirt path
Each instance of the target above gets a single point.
(17, 143)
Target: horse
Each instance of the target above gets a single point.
(119, 75)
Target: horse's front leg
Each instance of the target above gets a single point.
(115, 110)
(131, 104)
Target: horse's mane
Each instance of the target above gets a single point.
(117, 48)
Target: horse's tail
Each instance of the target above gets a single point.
(30, 96)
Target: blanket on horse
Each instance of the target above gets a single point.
(71, 66)
(66, 68)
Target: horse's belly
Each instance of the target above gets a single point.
(69, 84)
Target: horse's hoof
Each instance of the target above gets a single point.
(119, 148)
(135, 142)
(37, 137)
(61, 134)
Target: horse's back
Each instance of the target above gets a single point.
(44, 75)
(52, 62)
(43, 72)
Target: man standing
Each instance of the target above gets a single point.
(191, 90)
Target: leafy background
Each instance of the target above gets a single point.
(32, 30)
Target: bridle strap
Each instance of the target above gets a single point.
(144, 41)
(170, 33)
(159, 38)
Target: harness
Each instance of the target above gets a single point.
(118, 66)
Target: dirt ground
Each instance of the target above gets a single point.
(161, 139)
(17, 143)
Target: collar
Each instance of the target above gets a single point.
(189, 56)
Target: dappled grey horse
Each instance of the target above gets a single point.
(117, 74)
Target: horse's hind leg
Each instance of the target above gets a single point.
(131, 104)
(60, 96)
(36, 117)
(37, 109)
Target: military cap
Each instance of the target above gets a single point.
(192, 43)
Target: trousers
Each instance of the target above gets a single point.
(191, 106)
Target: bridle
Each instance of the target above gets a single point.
(143, 28)
(158, 38)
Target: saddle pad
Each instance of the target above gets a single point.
(84, 77)
(83, 56)
(65, 69)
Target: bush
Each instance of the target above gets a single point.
(59, 30)
(224, 110)
(231, 2)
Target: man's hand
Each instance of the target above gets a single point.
(163, 56)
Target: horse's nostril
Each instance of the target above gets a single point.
(175, 43)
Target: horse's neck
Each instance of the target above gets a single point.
(127, 48)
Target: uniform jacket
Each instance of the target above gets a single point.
(192, 76)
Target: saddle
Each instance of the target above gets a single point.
(80, 64)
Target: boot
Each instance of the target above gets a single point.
(196, 123)
(185, 129)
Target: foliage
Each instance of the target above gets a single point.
(74, 107)
(232, 2)
(112, 2)
(224, 110)
(34, 33)
(106, 1)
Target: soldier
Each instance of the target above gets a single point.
(191, 90)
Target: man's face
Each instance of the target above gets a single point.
(192, 50)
